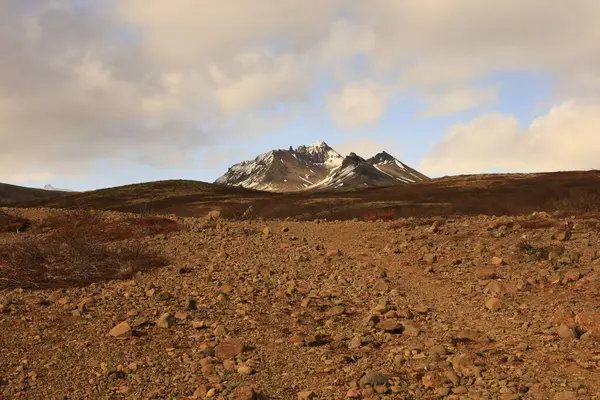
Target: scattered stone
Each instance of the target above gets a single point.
(494, 304)
(243, 393)
(430, 258)
(485, 273)
(497, 261)
(245, 370)
(120, 329)
(306, 395)
(229, 348)
(391, 326)
(337, 310)
(566, 332)
(190, 304)
(166, 320)
(432, 380)
(214, 214)
(373, 379)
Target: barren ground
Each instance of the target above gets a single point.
(465, 308)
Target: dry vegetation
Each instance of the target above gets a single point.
(78, 248)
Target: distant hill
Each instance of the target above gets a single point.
(10, 194)
(490, 194)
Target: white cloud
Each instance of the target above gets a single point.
(149, 80)
(566, 138)
(367, 148)
(358, 104)
(454, 100)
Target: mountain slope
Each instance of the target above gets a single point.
(284, 170)
(318, 167)
(389, 165)
(12, 194)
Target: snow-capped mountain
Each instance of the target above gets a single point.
(317, 167)
(52, 188)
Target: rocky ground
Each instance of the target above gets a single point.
(465, 308)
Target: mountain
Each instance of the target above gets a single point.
(318, 167)
(52, 188)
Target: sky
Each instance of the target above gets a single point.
(100, 93)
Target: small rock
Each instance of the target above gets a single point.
(566, 332)
(485, 273)
(214, 214)
(245, 370)
(285, 229)
(565, 236)
(242, 393)
(391, 326)
(266, 231)
(190, 304)
(497, 261)
(565, 395)
(120, 330)
(430, 258)
(334, 253)
(229, 348)
(198, 324)
(337, 310)
(165, 321)
(306, 395)
(494, 304)
(373, 378)
(432, 380)
(352, 394)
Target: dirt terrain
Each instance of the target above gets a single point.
(512, 194)
(414, 308)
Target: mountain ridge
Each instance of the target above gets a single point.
(318, 167)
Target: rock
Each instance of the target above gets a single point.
(243, 393)
(285, 229)
(565, 235)
(494, 304)
(306, 395)
(497, 261)
(391, 326)
(352, 394)
(565, 395)
(198, 324)
(373, 378)
(572, 276)
(566, 332)
(214, 214)
(245, 370)
(588, 321)
(266, 231)
(463, 364)
(494, 287)
(190, 304)
(432, 380)
(334, 253)
(166, 320)
(430, 258)
(120, 329)
(485, 273)
(410, 330)
(337, 310)
(442, 391)
(229, 348)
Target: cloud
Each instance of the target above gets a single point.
(566, 138)
(149, 81)
(454, 100)
(367, 148)
(357, 105)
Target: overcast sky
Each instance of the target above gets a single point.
(97, 93)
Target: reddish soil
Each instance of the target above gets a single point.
(420, 308)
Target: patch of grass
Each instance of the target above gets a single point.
(51, 262)
(79, 248)
(93, 225)
(13, 223)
